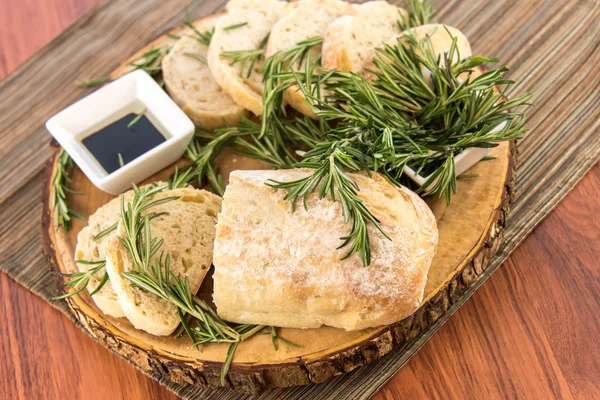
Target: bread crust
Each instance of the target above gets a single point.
(191, 85)
(305, 19)
(259, 17)
(188, 231)
(350, 41)
(278, 267)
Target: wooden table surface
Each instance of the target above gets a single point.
(532, 331)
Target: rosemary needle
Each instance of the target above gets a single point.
(121, 162)
(196, 57)
(93, 82)
(134, 121)
(79, 280)
(235, 26)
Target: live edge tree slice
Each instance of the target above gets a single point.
(470, 234)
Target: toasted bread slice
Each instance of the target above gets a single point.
(351, 40)
(245, 27)
(91, 249)
(306, 19)
(188, 231)
(191, 84)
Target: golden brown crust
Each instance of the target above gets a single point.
(278, 267)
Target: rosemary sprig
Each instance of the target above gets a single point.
(106, 231)
(247, 58)
(60, 190)
(89, 83)
(197, 57)
(202, 37)
(400, 117)
(419, 13)
(151, 60)
(79, 280)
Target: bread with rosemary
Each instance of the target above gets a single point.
(351, 40)
(190, 84)
(441, 38)
(93, 249)
(277, 267)
(294, 28)
(188, 231)
(244, 29)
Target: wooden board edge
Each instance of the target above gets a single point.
(250, 379)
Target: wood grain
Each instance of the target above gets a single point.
(555, 270)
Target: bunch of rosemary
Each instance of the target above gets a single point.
(399, 117)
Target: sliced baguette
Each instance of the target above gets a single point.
(441, 38)
(306, 19)
(188, 231)
(259, 16)
(191, 85)
(90, 249)
(350, 41)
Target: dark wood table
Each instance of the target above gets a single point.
(532, 331)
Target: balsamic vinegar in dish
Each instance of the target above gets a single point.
(123, 141)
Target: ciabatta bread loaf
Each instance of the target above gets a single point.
(306, 19)
(350, 41)
(245, 27)
(283, 268)
(191, 84)
(188, 231)
(90, 249)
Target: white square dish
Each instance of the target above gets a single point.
(136, 93)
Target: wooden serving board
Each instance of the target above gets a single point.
(470, 233)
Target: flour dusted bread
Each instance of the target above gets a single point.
(350, 41)
(275, 267)
(188, 231)
(191, 84)
(254, 20)
(305, 19)
(90, 249)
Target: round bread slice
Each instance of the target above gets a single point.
(306, 19)
(441, 38)
(283, 268)
(188, 231)
(350, 41)
(245, 27)
(191, 85)
(90, 249)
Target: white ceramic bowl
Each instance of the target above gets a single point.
(135, 92)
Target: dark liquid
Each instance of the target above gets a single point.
(116, 138)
